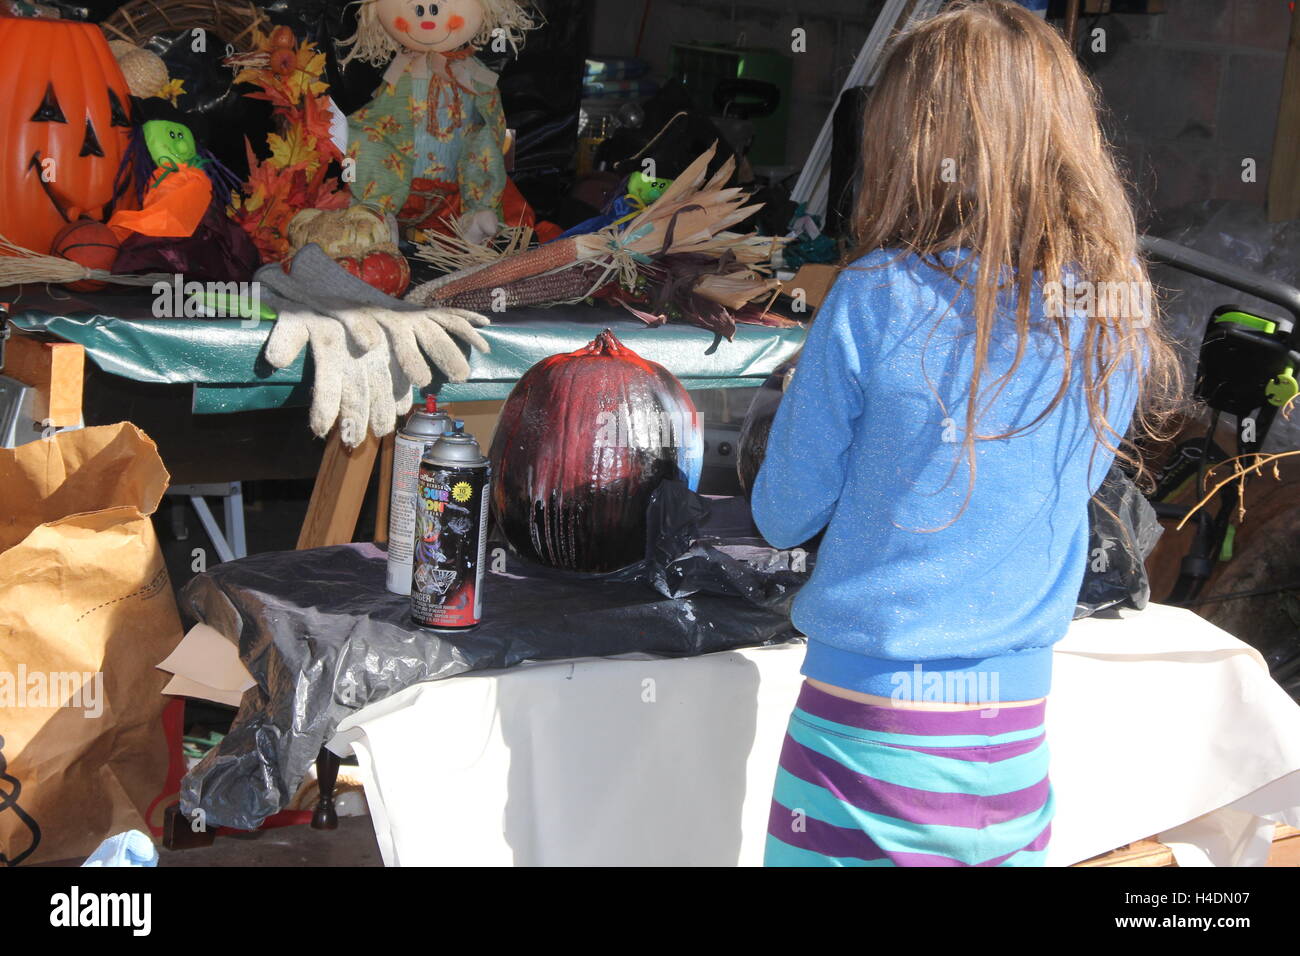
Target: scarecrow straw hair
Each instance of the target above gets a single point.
(372, 44)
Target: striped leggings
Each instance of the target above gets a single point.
(863, 785)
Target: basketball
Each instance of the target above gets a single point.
(88, 243)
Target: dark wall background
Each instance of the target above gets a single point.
(1191, 92)
(540, 88)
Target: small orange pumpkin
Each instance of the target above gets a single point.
(64, 128)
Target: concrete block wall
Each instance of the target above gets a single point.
(1191, 94)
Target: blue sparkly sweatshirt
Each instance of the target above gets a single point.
(867, 444)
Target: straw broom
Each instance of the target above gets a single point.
(19, 265)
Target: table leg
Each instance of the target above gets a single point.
(327, 773)
(179, 832)
(339, 492)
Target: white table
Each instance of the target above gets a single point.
(1159, 723)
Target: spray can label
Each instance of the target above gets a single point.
(450, 546)
(407, 453)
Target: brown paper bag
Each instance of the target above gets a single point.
(86, 611)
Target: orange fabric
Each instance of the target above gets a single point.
(514, 207)
(432, 204)
(546, 231)
(174, 205)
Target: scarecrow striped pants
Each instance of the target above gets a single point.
(865, 785)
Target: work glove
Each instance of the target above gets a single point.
(335, 371)
(427, 331)
(384, 343)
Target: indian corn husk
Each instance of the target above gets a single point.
(735, 289)
(553, 288)
(692, 216)
(552, 257)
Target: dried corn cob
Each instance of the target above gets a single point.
(554, 288)
(535, 262)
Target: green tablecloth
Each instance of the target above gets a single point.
(223, 360)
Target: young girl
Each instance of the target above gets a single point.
(960, 396)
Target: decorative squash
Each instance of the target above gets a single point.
(387, 271)
(360, 239)
(65, 128)
(583, 440)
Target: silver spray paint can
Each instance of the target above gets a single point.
(415, 438)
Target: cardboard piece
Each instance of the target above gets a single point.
(206, 665)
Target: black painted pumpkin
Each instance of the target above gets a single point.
(758, 425)
(583, 440)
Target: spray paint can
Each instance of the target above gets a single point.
(451, 533)
(415, 438)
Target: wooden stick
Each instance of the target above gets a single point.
(56, 370)
(1237, 475)
(339, 492)
(386, 449)
(1284, 173)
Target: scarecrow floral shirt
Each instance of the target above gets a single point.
(393, 143)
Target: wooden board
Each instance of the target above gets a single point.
(1140, 853)
(480, 419)
(1150, 852)
(55, 369)
(1284, 175)
(815, 279)
(344, 477)
(339, 492)
(385, 486)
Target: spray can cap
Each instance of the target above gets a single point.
(431, 404)
(456, 447)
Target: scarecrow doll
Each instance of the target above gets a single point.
(429, 146)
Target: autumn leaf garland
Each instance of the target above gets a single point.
(297, 174)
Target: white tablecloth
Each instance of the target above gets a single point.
(1158, 723)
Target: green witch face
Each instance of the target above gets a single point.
(169, 144)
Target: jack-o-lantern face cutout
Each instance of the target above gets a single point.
(64, 128)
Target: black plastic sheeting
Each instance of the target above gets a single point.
(323, 638)
(1123, 529)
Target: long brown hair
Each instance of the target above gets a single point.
(982, 135)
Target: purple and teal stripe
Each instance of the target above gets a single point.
(860, 785)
